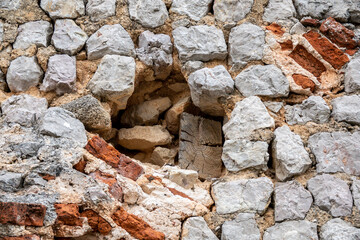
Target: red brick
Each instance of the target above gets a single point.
(304, 81)
(23, 214)
(25, 237)
(276, 29)
(80, 166)
(288, 45)
(114, 188)
(96, 222)
(47, 177)
(310, 22)
(68, 214)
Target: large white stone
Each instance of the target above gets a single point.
(346, 109)
(338, 229)
(195, 9)
(195, 228)
(100, 9)
(37, 33)
(149, 13)
(243, 227)
(294, 230)
(232, 10)
(63, 8)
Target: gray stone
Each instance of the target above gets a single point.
(292, 201)
(274, 106)
(243, 227)
(149, 13)
(246, 43)
(313, 109)
(10, 4)
(294, 230)
(90, 112)
(23, 109)
(10, 181)
(336, 152)
(248, 116)
(68, 37)
(346, 109)
(331, 194)
(60, 123)
(195, 228)
(338, 229)
(242, 154)
(195, 9)
(114, 79)
(63, 8)
(289, 154)
(146, 113)
(262, 80)
(100, 9)
(243, 195)
(208, 86)
(1, 31)
(110, 39)
(355, 188)
(183, 178)
(200, 43)
(34, 179)
(192, 66)
(155, 50)
(352, 76)
(23, 73)
(60, 75)
(200, 145)
(354, 11)
(232, 10)
(278, 10)
(37, 33)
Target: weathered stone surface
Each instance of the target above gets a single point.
(63, 8)
(354, 11)
(313, 109)
(10, 181)
(25, 237)
(200, 145)
(90, 112)
(37, 33)
(114, 79)
(322, 8)
(191, 66)
(195, 228)
(336, 152)
(10, 4)
(184, 178)
(243, 227)
(292, 201)
(60, 75)
(355, 189)
(22, 214)
(278, 10)
(242, 154)
(352, 76)
(97, 223)
(346, 109)
(68, 37)
(149, 13)
(331, 194)
(68, 214)
(1, 31)
(109, 39)
(262, 80)
(161, 156)
(232, 10)
(248, 116)
(289, 154)
(338, 229)
(208, 86)
(193, 8)
(143, 137)
(200, 43)
(274, 106)
(246, 43)
(295, 230)
(114, 188)
(100, 9)
(23, 73)
(146, 113)
(172, 116)
(243, 195)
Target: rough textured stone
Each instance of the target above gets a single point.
(149, 13)
(161, 156)
(338, 229)
(244, 195)
(100, 9)
(37, 33)
(10, 181)
(208, 86)
(248, 116)
(354, 11)
(292, 201)
(195, 228)
(274, 106)
(90, 112)
(155, 50)
(231, 10)
(22, 214)
(1, 31)
(289, 154)
(200, 43)
(184, 178)
(262, 80)
(294, 230)
(193, 8)
(60, 75)
(114, 79)
(331, 194)
(346, 109)
(10, 4)
(242, 154)
(109, 39)
(243, 227)
(355, 189)
(68, 37)
(313, 109)
(191, 66)
(246, 43)
(63, 8)
(336, 152)
(278, 10)
(23, 73)
(172, 116)
(200, 145)
(352, 76)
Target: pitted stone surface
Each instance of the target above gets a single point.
(149, 13)
(37, 33)
(100, 9)
(194, 9)
(195, 228)
(352, 76)
(232, 10)
(10, 181)
(346, 109)
(63, 8)
(294, 230)
(243, 227)
(279, 10)
(338, 229)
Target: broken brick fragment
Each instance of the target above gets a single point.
(288, 45)
(68, 214)
(276, 29)
(80, 166)
(25, 237)
(23, 214)
(114, 188)
(47, 177)
(304, 82)
(96, 222)
(176, 192)
(310, 22)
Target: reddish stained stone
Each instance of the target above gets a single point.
(276, 29)
(96, 222)
(351, 52)
(47, 177)
(288, 45)
(80, 166)
(23, 214)
(326, 49)
(25, 237)
(304, 81)
(135, 226)
(307, 61)
(176, 192)
(310, 22)
(68, 214)
(114, 188)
